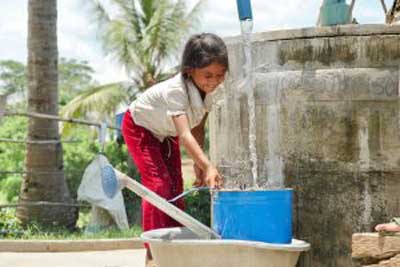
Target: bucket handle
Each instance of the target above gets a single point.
(194, 189)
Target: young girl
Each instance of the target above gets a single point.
(173, 112)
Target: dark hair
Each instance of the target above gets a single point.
(202, 50)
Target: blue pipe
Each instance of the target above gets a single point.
(244, 9)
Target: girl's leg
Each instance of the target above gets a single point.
(172, 158)
(147, 153)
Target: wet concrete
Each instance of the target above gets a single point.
(328, 118)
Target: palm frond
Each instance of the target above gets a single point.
(148, 8)
(193, 17)
(100, 13)
(130, 14)
(98, 103)
(145, 34)
(103, 98)
(117, 42)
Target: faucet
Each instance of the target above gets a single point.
(244, 10)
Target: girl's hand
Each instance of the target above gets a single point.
(212, 178)
(389, 227)
(200, 181)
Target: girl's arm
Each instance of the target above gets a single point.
(186, 137)
(198, 133)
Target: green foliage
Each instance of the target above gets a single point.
(11, 228)
(11, 156)
(133, 202)
(10, 187)
(12, 77)
(77, 157)
(9, 224)
(198, 205)
(74, 76)
(100, 102)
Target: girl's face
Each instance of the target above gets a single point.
(208, 78)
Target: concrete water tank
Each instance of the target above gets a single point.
(328, 122)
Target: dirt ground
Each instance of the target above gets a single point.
(111, 258)
(187, 170)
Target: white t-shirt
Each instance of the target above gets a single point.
(154, 108)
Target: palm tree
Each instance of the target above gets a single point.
(142, 36)
(44, 180)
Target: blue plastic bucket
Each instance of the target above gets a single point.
(264, 216)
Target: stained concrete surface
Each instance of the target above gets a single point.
(327, 111)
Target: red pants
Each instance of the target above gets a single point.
(159, 165)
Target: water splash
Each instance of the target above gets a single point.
(363, 139)
(249, 85)
(273, 163)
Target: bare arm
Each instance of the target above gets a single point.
(199, 132)
(211, 175)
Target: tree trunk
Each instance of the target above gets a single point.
(44, 180)
(392, 16)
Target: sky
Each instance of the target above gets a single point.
(77, 32)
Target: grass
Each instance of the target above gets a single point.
(11, 229)
(78, 235)
(188, 173)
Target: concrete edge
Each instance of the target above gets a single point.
(69, 245)
(320, 32)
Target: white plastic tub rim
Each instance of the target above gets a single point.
(183, 236)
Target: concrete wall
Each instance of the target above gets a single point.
(335, 91)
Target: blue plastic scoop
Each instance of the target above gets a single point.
(109, 181)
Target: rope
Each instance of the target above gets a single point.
(57, 118)
(42, 203)
(25, 172)
(40, 142)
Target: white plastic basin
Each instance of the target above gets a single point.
(179, 247)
